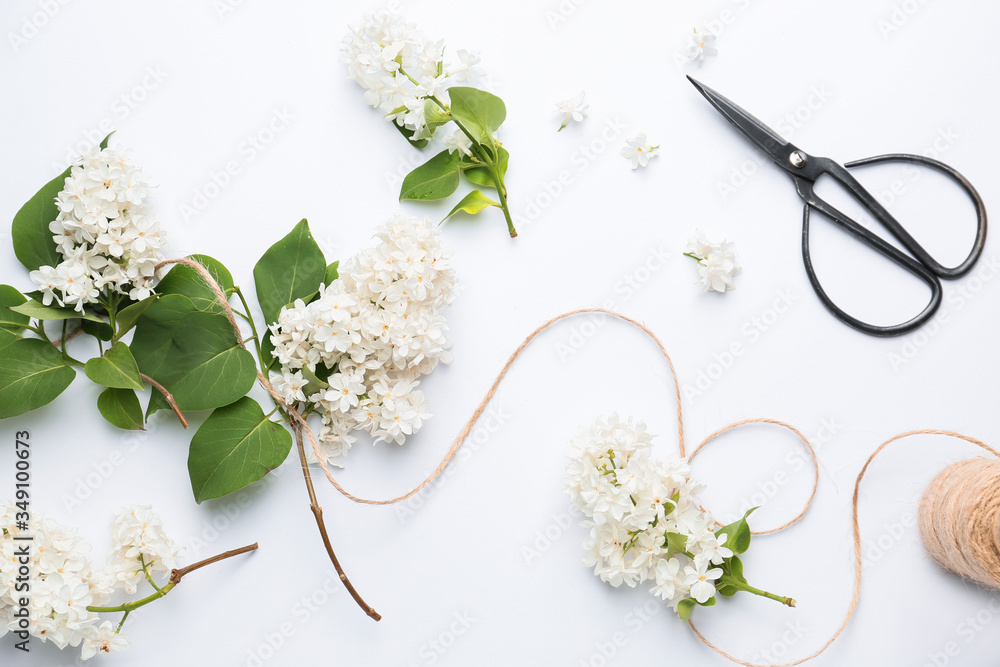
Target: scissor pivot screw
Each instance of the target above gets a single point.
(798, 159)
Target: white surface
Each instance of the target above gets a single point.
(462, 552)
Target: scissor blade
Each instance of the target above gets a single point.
(754, 130)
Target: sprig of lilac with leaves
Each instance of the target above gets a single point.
(416, 86)
(647, 523)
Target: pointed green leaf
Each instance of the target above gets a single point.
(104, 142)
(291, 269)
(185, 280)
(332, 273)
(32, 373)
(739, 534)
(313, 383)
(9, 319)
(121, 408)
(676, 543)
(116, 369)
(30, 233)
(236, 446)
(733, 568)
(194, 354)
(35, 309)
(129, 316)
(480, 112)
(472, 203)
(435, 179)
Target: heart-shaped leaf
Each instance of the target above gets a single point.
(116, 369)
(194, 354)
(121, 408)
(480, 112)
(236, 446)
(32, 374)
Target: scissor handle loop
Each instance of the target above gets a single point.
(925, 258)
(873, 329)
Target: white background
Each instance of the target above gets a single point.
(857, 77)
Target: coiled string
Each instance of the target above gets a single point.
(959, 512)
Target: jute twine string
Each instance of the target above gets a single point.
(959, 513)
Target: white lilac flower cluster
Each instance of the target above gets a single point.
(64, 582)
(104, 233)
(399, 69)
(645, 520)
(368, 337)
(717, 261)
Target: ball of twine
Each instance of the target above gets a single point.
(960, 520)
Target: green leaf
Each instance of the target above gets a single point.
(32, 373)
(685, 607)
(480, 112)
(194, 354)
(104, 142)
(472, 203)
(185, 280)
(267, 351)
(9, 319)
(35, 309)
(435, 179)
(739, 534)
(676, 543)
(734, 567)
(434, 116)
(313, 383)
(129, 316)
(408, 133)
(236, 446)
(482, 176)
(332, 273)
(116, 369)
(100, 330)
(121, 408)
(30, 233)
(291, 269)
(7, 337)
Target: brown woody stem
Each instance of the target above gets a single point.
(318, 513)
(168, 396)
(178, 574)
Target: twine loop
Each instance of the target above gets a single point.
(959, 513)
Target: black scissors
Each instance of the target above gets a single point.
(805, 169)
